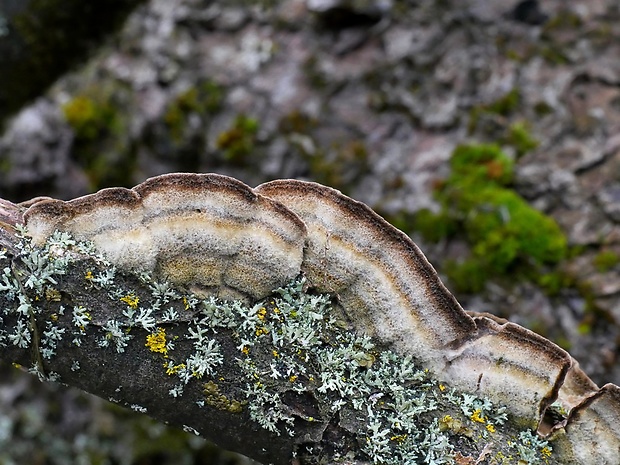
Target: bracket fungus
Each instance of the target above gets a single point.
(210, 232)
(215, 235)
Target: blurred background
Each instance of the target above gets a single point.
(488, 131)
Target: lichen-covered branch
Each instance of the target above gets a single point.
(288, 322)
(281, 379)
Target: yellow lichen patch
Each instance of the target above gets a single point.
(245, 350)
(477, 416)
(449, 423)
(89, 275)
(52, 295)
(156, 342)
(400, 438)
(174, 369)
(262, 313)
(215, 398)
(490, 428)
(131, 300)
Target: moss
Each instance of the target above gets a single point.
(506, 104)
(203, 99)
(297, 122)
(238, 141)
(503, 106)
(554, 55)
(606, 260)
(433, 226)
(543, 109)
(340, 165)
(503, 231)
(481, 163)
(5, 165)
(467, 276)
(563, 20)
(520, 137)
(554, 281)
(101, 146)
(90, 117)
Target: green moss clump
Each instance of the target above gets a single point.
(468, 276)
(203, 99)
(101, 144)
(606, 260)
(553, 282)
(238, 141)
(520, 137)
(90, 118)
(340, 165)
(433, 226)
(506, 104)
(503, 106)
(502, 229)
(484, 163)
(297, 122)
(543, 109)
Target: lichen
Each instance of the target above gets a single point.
(156, 342)
(215, 398)
(296, 342)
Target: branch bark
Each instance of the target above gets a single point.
(68, 318)
(292, 376)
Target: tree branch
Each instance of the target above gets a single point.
(291, 373)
